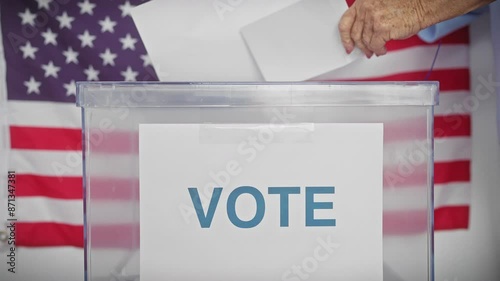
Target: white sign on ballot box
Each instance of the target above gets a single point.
(261, 202)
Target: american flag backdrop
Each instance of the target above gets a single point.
(48, 45)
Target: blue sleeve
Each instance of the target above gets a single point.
(438, 31)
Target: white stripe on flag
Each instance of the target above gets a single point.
(452, 194)
(445, 150)
(49, 163)
(41, 209)
(47, 264)
(407, 60)
(453, 102)
(107, 212)
(57, 115)
(69, 163)
(413, 198)
(452, 149)
(44, 114)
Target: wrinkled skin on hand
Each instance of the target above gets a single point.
(369, 24)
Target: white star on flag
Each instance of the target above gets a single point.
(49, 37)
(27, 17)
(44, 4)
(147, 60)
(108, 57)
(87, 39)
(70, 88)
(50, 69)
(33, 86)
(129, 74)
(128, 42)
(92, 74)
(86, 7)
(28, 50)
(126, 9)
(65, 20)
(107, 25)
(71, 56)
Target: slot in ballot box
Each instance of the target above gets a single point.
(258, 181)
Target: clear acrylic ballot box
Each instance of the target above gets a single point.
(258, 181)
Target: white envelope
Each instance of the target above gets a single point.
(199, 40)
(299, 42)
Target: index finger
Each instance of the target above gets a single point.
(345, 26)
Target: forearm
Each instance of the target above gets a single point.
(431, 12)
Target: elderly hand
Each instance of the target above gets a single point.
(369, 24)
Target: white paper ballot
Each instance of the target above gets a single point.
(299, 42)
(261, 202)
(200, 40)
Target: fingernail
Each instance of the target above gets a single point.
(348, 50)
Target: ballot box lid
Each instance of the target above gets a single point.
(204, 94)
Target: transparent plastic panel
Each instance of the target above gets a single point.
(146, 94)
(112, 114)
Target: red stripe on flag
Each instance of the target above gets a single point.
(405, 130)
(115, 188)
(460, 36)
(127, 142)
(453, 125)
(415, 221)
(114, 142)
(415, 128)
(48, 235)
(444, 172)
(405, 222)
(53, 187)
(123, 236)
(45, 138)
(71, 187)
(456, 171)
(56, 234)
(451, 217)
(449, 79)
